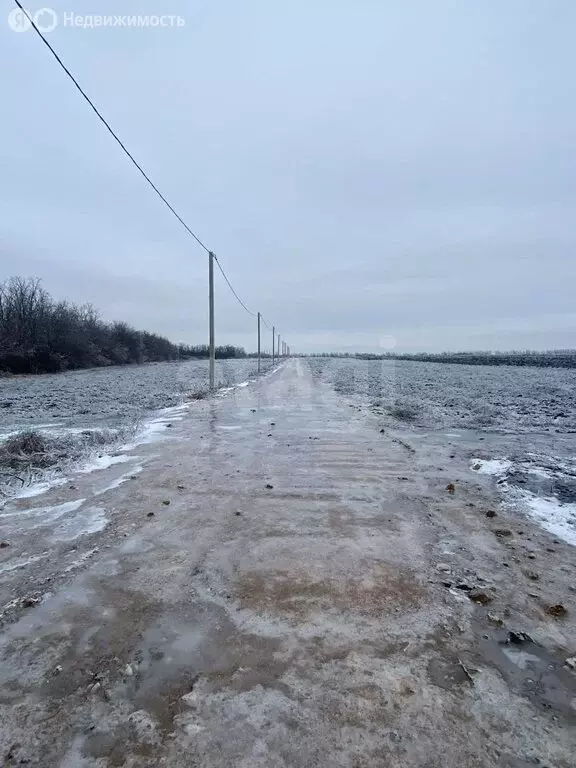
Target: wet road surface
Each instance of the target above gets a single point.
(277, 583)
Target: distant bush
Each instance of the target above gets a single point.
(41, 335)
(404, 411)
(28, 443)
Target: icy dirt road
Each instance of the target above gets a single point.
(278, 583)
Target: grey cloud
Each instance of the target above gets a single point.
(363, 171)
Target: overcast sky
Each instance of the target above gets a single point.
(370, 173)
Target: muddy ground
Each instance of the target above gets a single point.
(279, 583)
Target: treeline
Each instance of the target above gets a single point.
(560, 358)
(41, 335)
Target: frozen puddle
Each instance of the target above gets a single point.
(92, 520)
(542, 488)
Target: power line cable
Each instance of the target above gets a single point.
(108, 127)
(254, 314)
(131, 157)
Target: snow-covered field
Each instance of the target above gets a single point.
(85, 419)
(445, 396)
(519, 422)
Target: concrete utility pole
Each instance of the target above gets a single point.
(273, 343)
(258, 342)
(211, 312)
(278, 346)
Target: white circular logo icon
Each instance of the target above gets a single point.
(18, 21)
(45, 19)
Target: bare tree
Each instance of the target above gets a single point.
(38, 334)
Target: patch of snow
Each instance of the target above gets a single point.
(119, 480)
(548, 512)
(243, 384)
(539, 472)
(491, 466)
(103, 462)
(46, 514)
(458, 595)
(153, 430)
(555, 517)
(33, 427)
(176, 410)
(37, 489)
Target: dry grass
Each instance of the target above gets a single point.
(404, 411)
(25, 449)
(30, 451)
(200, 394)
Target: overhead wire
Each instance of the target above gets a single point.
(224, 275)
(131, 157)
(109, 127)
